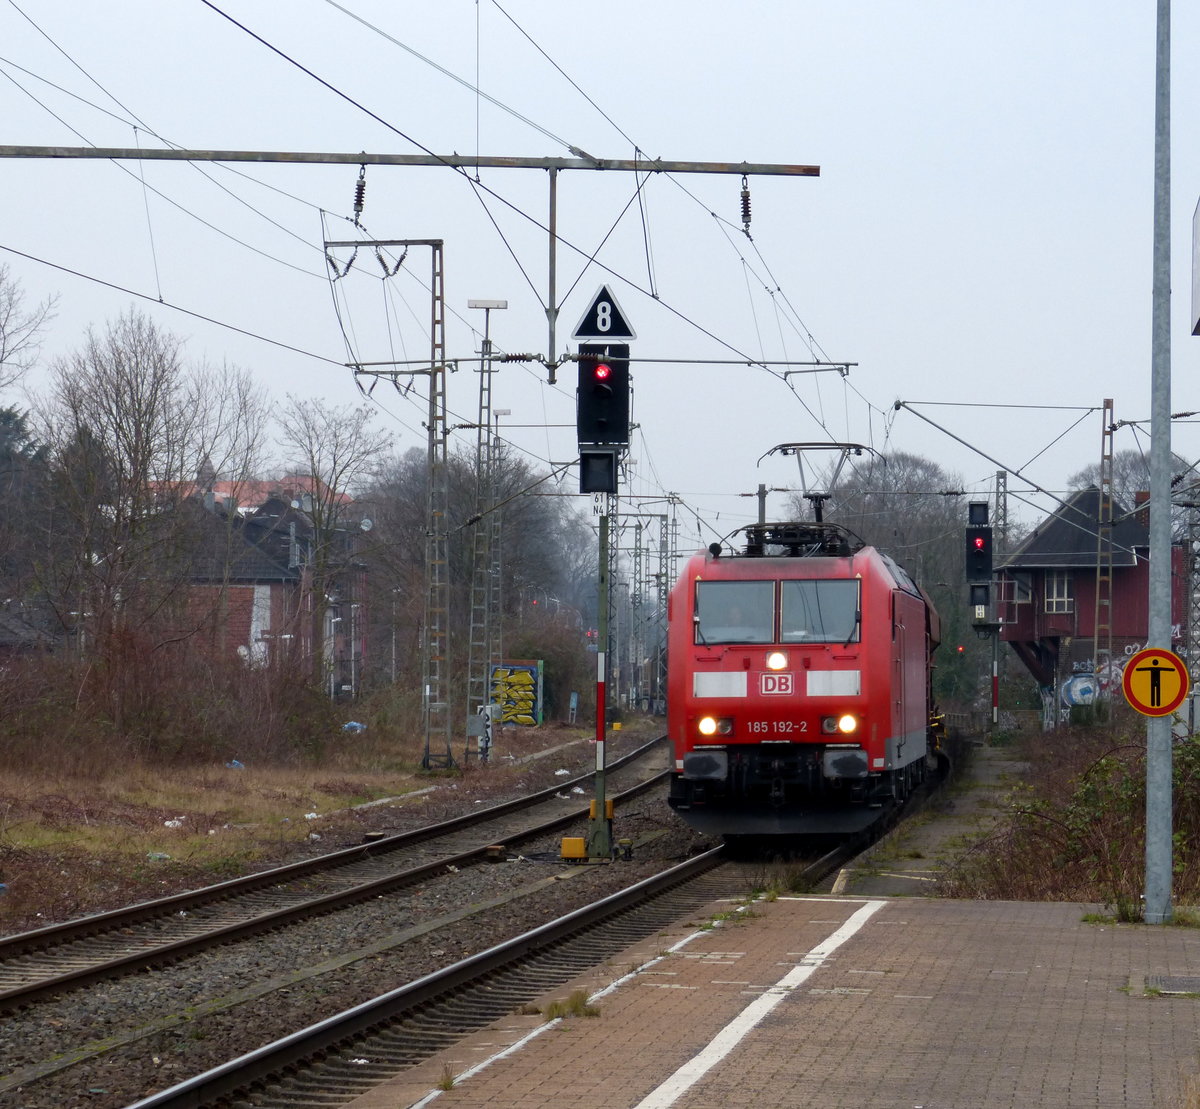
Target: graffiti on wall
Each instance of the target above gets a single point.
(1089, 682)
(517, 688)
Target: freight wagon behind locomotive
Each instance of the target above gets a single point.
(799, 693)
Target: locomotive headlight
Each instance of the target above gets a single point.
(777, 660)
(713, 725)
(847, 724)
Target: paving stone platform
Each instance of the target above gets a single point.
(862, 1003)
(867, 997)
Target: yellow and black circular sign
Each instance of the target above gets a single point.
(1155, 681)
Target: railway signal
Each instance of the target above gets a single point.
(979, 554)
(602, 408)
(597, 469)
(602, 421)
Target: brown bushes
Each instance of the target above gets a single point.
(79, 715)
(1075, 828)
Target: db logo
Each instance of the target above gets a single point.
(775, 683)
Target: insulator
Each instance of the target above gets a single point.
(360, 192)
(390, 271)
(349, 263)
(517, 358)
(340, 271)
(745, 205)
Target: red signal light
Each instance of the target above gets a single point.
(602, 372)
(979, 542)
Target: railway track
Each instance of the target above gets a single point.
(41, 964)
(422, 946)
(343, 1057)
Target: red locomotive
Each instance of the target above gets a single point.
(798, 684)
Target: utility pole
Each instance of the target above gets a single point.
(478, 718)
(599, 837)
(1158, 729)
(435, 653)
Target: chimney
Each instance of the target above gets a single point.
(1141, 504)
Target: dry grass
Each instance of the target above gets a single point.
(81, 845)
(117, 775)
(575, 1005)
(73, 844)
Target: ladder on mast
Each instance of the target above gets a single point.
(479, 656)
(1102, 633)
(436, 660)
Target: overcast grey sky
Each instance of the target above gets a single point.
(979, 235)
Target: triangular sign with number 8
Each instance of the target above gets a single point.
(604, 319)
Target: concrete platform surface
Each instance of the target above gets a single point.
(851, 1002)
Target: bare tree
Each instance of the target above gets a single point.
(546, 549)
(913, 510)
(1131, 476)
(20, 329)
(130, 426)
(337, 451)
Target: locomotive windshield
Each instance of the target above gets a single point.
(735, 612)
(820, 612)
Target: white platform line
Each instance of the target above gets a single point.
(668, 1092)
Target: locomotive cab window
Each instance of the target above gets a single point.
(820, 612)
(735, 612)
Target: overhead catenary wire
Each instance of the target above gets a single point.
(157, 192)
(150, 130)
(642, 181)
(149, 222)
(461, 171)
(753, 362)
(750, 361)
(430, 62)
(168, 304)
(132, 119)
(906, 405)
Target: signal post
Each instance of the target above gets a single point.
(977, 562)
(602, 424)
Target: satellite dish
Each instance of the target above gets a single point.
(295, 504)
(367, 523)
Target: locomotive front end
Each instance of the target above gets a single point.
(786, 685)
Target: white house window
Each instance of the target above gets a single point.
(1059, 594)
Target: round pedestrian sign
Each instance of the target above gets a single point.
(1155, 681)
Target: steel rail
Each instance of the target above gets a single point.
(238, 1075)
(161, 954)
(40, 938)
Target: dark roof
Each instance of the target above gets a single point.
(1068, 538)
(18, 634)
(251, 549)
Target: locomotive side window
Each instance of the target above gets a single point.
(820, 612)
(735, 612)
